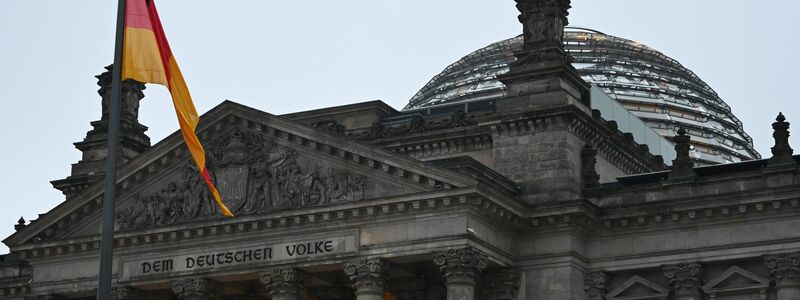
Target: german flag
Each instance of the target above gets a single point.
(146, 57)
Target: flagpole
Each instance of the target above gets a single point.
(107, 225)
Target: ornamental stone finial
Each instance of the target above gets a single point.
(284, 283)
(682, 165)
(543, 22)
(684, 280)
(20, 224)
(781, 152)
(595, 285)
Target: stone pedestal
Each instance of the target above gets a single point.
(195, 289)
(284, 283)
(684, 280)
(368, 276)
(785, 272)
(460, 269)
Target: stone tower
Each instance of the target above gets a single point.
(133, 140)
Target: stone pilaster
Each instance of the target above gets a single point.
(284, 283)
(595, 285)
(195, 289)
(461, 269)
(784, 269)
(781, 152)
(368, 276)
(127, 293)
(684, 280)
(682, 165)
(499, 284)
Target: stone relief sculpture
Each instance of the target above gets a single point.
(253, 175)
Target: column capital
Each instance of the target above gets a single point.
(684, 278)
(594, 284)
(368, 275)
(284, 281)
(784, 268)
(195, 288)
(127, 293)
(461, 265)
(499, 284)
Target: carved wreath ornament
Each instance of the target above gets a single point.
(253, 175)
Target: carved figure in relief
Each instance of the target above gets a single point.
(253, 175)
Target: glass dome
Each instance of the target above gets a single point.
(652, 86)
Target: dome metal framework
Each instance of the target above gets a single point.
(652, 86)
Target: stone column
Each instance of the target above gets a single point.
(499, 284)
(460, 269)
(784, 268)
(368, 276)
(284, 283)
(195, 289)
(594, 284)
(684, 280)
(127, 293)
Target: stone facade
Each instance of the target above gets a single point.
(534, 196)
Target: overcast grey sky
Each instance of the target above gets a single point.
(287, 56)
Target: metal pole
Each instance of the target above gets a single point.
(107, 225)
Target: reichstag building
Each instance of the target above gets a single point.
(563, 163)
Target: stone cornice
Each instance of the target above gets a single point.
(614, 146)
(171, 151)
(501, 210)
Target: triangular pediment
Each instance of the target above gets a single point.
(736, 278)
(638, 288)
(260, 163)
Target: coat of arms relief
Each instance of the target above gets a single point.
(253, 175)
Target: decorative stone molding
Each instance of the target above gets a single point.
(195, 289)
(595, 285)
(284, 283)
(684, 279)
(499, 284)
(127, 293)
(254, 175)
(753, 284)
(781, 152)
(590, 180)
(461, 265)
(784, 268)
(637, 287)
(368, 276)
